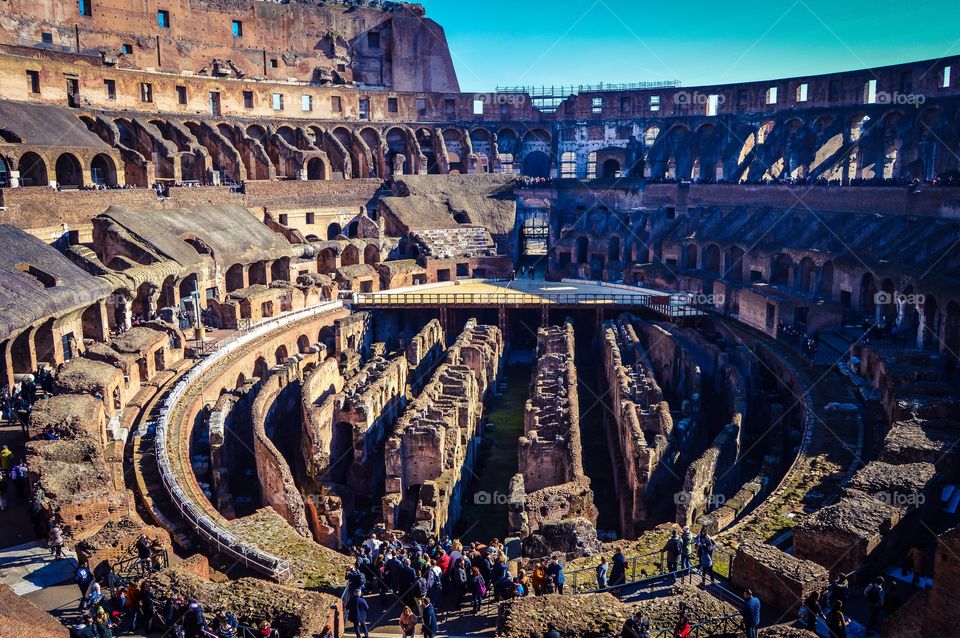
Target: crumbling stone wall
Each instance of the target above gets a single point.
(423, 353)
(436, 437)
(777, 578)
(550, 453)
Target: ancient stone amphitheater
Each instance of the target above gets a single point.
(267, 289)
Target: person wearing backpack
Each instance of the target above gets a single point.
(686, 543)
(478, 588)
(83, 578)
(672, 549)
(876, 598)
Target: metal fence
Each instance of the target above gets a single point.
(219, 538)
(577, 89)
(648, 568)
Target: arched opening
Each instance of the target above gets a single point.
(280, 355)
(43, 342)
(781, 270)
(20, 353)
(613, 254)
(303, 344)
(353, 229)
(280, 269)
(690, 257)
(234, 277)
(610, 170)
(341, 452)
(711, 259)
(371, 254)
(350, 256)
(568, 165)
(258, 273)
(103, 171)
(583, 246)
(4, 173)
(425, 139)
(733, 264)
(316, 169)
(333, 231)
(69, 172)
(932, 322)
(806, 279)
(93, 324)
(168, 293)
(327, 260)
(33, 170)
(536, 164)
(188, 286)
(241, 381)
(260, 368)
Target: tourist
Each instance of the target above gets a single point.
(839, 590)
(686, 541)
(836, 621)
(551, 631)
(555, 573)
(6, 459)
(705, 547)
(477, 588)
(142, 547)
(408, 622)
(148, 606)
(672, 549)
(434, 582)
(407, 584)
(636, 626)
(876, 599)
(224, 625)
(603, 570)
(429, 620)
(682, 627)
(194, 622)
(618, 573)
(458, 583)
(539, 578)
(83, 577)
(19, 477)
(87, 630)
(751, 613)
(101, 620)
(811, 611)
(4, 486)
(55, 541)
(266, 631)
(373, 545)
(357, 610)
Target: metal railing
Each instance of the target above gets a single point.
(215, 534)
(724, 625)
(665, 305)
(645, 568)
(566, 91)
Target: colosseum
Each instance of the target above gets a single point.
(295, 334)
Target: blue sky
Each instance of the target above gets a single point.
(506, 42)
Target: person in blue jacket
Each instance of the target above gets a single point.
(555, 573)
(429, 619)
(357, 610)
(751, 613)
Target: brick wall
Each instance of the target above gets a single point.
(20, 618)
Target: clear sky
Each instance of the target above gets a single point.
(544, 42)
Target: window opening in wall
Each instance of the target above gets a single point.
(450, 108)
(110, 86)
(596, 105)
(625, 105)
(654, 102)
(373, 39)
(283, 219)
(802, 92)
(248, 99)
(421, 107)
(713, 103)
(127, 49)
(277, 101)
(274, 63)
(478, 107)
(365, 108)
(592, 165)
(772, 95)
(568, 165)
(336, 104)
(46, 37)
(73, 93)
(146, 92)
(33, 81)
(163, 18)
(870, 92)
(181, 95)
(945, 77)
(214, 103)
(306, 103)
(311, 217)
(86, 8)
(237, 27)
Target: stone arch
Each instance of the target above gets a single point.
(689, 257)
(371, 254)
(426, 140)
(303, 344)
(781, 270)
(20, 353)
(932, 323)
(350, 256)
(69, 171)
(327, 260)
(826, 280)
(613, 252)
(103, 170)
(317, 169)
(333, 231)
(33, 170)
(288, 135)
(536, 164)
(345, 137)
(610, 169)
(733, 264)
(711, 259)
(255, 131)
(260, 368)
(807, 275)
(280, 269)
(44, 345)
(280, 355)
(868, 292)
(234, 277)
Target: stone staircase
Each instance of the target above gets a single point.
(455, 243)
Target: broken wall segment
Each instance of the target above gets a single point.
(776, 577)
